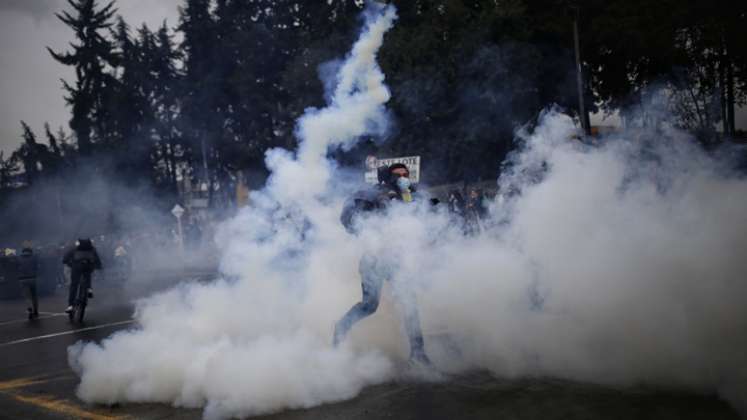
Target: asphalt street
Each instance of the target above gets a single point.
(36, 381)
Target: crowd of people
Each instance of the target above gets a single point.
(120, 254)
(471, 212)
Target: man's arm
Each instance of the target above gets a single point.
(68, 258)
(96, 260)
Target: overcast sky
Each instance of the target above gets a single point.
(30, 87)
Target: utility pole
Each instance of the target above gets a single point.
(579, 75)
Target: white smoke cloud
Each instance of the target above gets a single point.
(619, 264)
(635, 250)
(262, 342)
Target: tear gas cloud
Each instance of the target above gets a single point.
(619, 264)
(272, 324)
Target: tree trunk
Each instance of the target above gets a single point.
(730, 98)
(722, 87)
(172, 165)
(82, 135)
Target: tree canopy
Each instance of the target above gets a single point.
(205, 97)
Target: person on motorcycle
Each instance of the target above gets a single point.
(82, 260)
(375, 268)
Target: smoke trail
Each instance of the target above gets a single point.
(261, 343)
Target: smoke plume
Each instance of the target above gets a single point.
(620, 263)
(260, 342)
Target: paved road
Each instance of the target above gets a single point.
(37, 383)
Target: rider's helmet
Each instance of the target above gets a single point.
(84, 243)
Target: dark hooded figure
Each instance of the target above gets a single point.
(475, 211)
(394, 185)
(28, 268)
(82, 260)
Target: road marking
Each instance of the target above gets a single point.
(50, 403)
(20, 383)
(63, 407)
(35, 380)
(46, 316)
(42, 337)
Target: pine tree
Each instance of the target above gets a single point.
(166, 78)
(125, 100)
(91, 54)
(8, 167)
(53, 143)
(31, 154)
(199, 120)
(54, 154)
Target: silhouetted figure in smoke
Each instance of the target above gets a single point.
(122, 261)
(456, 203)
(28, 269)
(82, 260)
(475, 212)
(193, 234)
(394, 184)
(456, 207)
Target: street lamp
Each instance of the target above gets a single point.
(579, 73)
(178, 211)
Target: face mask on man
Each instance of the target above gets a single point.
(403, 183)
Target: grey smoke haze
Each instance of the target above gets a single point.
(30, 87)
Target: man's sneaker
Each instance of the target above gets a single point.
(30, 312)
(90, 293)
(69, 309)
